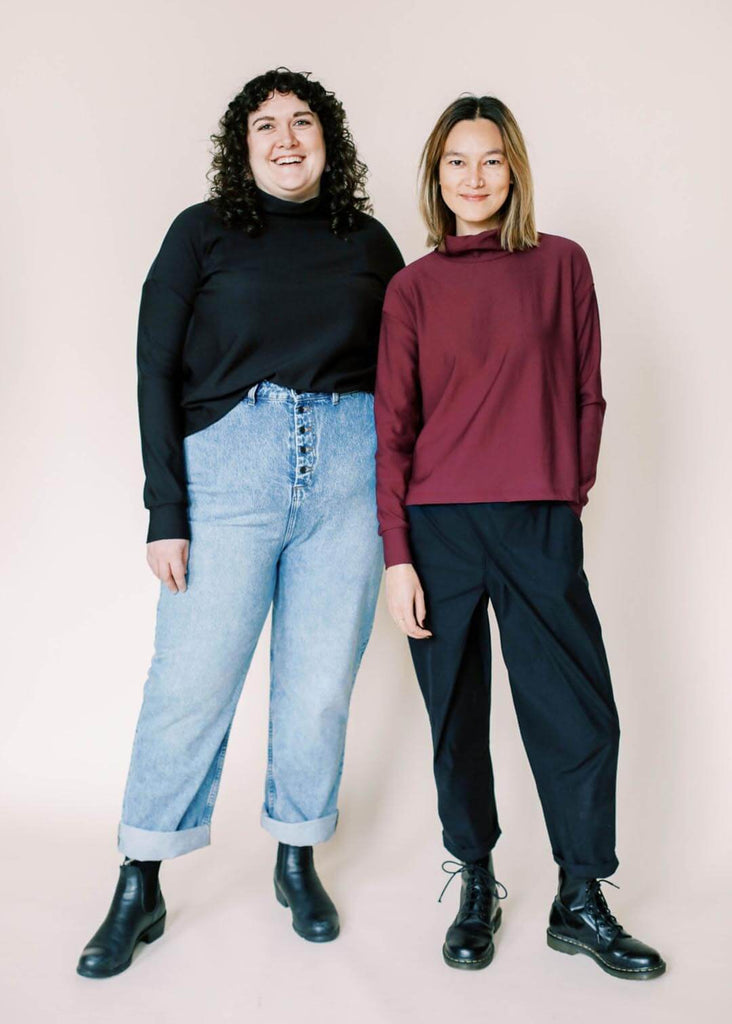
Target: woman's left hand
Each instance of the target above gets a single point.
(405, 600)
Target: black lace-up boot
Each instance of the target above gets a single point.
(297, 886)
(137, 914)
(469, 940)
(580, 922)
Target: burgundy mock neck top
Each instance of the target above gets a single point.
(488, 380)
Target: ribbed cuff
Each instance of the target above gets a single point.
(168, 522)
(396, 546)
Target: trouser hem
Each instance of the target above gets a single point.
(144, 844)
(600, 869)
(467, 855)
(300, 833)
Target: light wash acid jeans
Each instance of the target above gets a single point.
(283, 514)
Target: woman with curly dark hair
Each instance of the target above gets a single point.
(257, 348)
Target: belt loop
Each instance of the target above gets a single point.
(252, 394)
(335, 397)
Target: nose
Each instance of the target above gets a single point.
(287, 138)
(475, 178)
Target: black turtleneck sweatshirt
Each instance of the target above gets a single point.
(221, 311)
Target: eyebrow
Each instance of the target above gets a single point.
(271, 117)
(455, 152)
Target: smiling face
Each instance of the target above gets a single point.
(474, 175)
(286, 147)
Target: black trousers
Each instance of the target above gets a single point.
(526, 558)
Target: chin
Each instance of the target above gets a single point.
(475, 216)
(293, 186)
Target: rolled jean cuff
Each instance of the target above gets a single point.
(144, 844)
(300, 833)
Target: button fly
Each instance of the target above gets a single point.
(304, 453)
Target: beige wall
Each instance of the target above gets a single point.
(624, 106)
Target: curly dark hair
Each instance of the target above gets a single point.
(233, 192)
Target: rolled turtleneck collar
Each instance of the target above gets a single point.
(291, 207)
(484, 243)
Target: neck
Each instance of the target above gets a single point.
(314, 206)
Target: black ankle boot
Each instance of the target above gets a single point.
(137, 914)
(298, 887)
(469, 940)
(580, 922)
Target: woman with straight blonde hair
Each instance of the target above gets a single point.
(489, 411)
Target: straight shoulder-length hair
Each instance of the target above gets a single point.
(518, 224)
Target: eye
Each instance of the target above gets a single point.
(304, 120)
(267, 124)
(455, 160)
(494, 162)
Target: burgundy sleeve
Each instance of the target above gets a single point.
(397, 409)
(590, 402)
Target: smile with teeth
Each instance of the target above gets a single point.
(280, 160)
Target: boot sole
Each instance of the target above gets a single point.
(479, 964)
(281, 899)
(572, 947)
(153, 932)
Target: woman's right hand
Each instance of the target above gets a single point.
(168, 559)
(405, 600)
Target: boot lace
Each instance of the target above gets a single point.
(481, 884)
(601, 911)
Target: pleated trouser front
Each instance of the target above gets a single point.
(526, 558)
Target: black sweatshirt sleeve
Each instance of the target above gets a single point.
(165, 311)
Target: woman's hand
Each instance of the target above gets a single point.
(168, 559)
(405, 600)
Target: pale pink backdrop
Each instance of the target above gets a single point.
(107, 113)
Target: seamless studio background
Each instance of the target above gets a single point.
(107, 111)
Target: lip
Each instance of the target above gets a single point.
(299, 156)
(473, 199)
